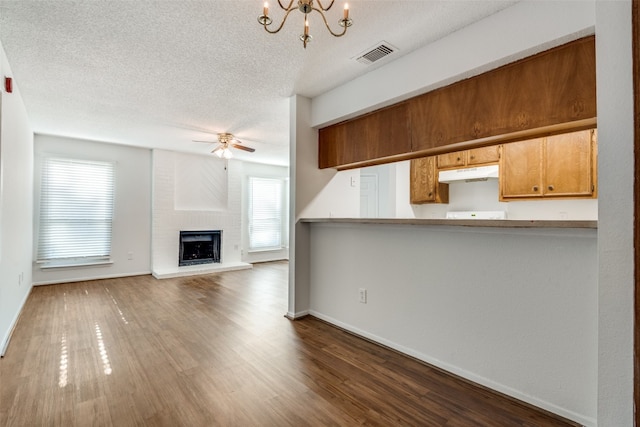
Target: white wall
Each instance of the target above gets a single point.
(263, 171)
(615, 225)
(131, 238)
(16, 204)
(464, 300)
(319, 193)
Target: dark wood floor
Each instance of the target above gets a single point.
(215, 350)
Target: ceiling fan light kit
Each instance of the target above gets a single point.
(306, 7)
(226, 141)
(224, 153)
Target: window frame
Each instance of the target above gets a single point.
(283, 213)
(55, 258)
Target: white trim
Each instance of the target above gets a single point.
(46, 265)
(87, 279)
(297, 315)
(274, 249)
(14, 322)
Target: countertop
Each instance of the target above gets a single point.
(499, 223)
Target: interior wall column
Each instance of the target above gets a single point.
(302, 139)
(635, 25)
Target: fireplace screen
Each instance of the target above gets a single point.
(200, 247)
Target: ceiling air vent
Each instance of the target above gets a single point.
(381, 50)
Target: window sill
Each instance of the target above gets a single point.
(257, 251)
(73, 264)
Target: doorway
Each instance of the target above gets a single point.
(369, 204)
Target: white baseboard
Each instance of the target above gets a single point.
(5, 340)
(84, 279)
(297, 315)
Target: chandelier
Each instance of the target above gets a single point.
(306, 7)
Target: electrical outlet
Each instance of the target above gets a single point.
(362, 292)
(130, 256)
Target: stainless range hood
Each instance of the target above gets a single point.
(480, 173)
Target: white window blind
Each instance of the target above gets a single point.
(265, 213)
(76, 210)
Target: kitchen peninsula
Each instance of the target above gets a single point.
(511, 305)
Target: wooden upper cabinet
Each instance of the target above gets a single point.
(568, 165)
(521, 169)
(452, 160)
(382, 133)
(549, 89)
(484, 155)
(550, 92)
(424, 185)
(557, 166)
(334, 145)
(473, 157)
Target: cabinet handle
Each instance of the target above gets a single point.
(535, 188)
(550, 188)
(473, 157)
(430, 194)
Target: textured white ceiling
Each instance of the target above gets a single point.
(160, 74)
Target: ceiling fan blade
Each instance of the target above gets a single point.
(243, 147)
(208, 142)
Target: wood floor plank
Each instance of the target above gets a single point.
(216, 350)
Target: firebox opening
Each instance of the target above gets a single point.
(200, 247)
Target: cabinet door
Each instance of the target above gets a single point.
(479, 156)
(424, 185)
(377, 135)
(521, 169)
(332, 145)
(568, 165)
(452, 160)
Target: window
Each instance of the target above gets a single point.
(265, 213)
(76, 211)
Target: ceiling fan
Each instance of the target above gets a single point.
(226, 141)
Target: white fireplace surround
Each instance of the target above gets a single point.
(212, 203)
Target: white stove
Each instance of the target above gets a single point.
(477, 215)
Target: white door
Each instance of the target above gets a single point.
(368, 196)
